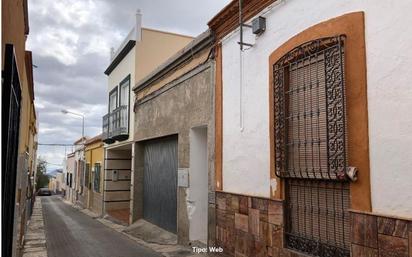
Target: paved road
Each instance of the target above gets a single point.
(71, 233)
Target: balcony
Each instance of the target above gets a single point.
(116, 125)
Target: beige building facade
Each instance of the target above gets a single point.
(141, 51)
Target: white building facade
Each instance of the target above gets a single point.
(265, 131)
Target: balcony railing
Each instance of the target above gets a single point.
(116, 125)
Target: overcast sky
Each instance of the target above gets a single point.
(71, 40)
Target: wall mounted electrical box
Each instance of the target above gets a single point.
(183, 177)
(259, 25)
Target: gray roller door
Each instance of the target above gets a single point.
(160, 182)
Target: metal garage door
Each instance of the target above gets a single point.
(160, 182)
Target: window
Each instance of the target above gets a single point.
(87, 178)
(113, 100)
(124, 103)
(96, 182)
(310, 146)
(124, 92)
(81, 175)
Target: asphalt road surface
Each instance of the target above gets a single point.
(71, 233)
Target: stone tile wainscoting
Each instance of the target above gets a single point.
(252, 226)
(378, 236)
(248, 226)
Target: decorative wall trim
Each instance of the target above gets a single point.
(228, 18)
(188, 75)
(218, 119)
(126, 49)
(352, 25)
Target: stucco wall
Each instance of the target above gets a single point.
(70, 162)
(176, 112)
(13, 32)
(183, 106)
(95, 154)
(388, 53)
(155, 48)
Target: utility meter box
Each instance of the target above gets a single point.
(183, 177)
(115, 175)
(259, 25)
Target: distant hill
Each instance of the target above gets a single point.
(54, 172)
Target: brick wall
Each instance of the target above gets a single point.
(253, 226)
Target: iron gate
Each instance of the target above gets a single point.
(310, 146)
(160, 182)
(10, 116)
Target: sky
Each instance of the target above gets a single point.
(71, 41)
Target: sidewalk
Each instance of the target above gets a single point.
(165, 249)
(35, 238)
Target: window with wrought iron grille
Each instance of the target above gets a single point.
(96, 181)
(310, 146)
(87, 176)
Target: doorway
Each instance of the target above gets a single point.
(198, 181)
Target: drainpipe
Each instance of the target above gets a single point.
(241, 68)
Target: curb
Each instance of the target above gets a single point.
(35, 238)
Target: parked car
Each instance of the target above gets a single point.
(44, 191)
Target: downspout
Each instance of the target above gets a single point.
(241, 69)
(103, 187)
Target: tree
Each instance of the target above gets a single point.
(42, 180)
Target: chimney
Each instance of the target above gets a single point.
(111, 53)
(138, 28)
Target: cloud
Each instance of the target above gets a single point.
(71, 40)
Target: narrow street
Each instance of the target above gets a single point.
(72, 233)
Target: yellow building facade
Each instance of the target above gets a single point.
(20, 127)
(94, 174)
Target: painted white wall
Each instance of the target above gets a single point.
(389, 58)
(122, 70)
(198, 181)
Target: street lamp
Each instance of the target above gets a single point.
(64, 111)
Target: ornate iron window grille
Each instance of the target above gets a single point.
(317, 217)
(318, 120)
(310, 146)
